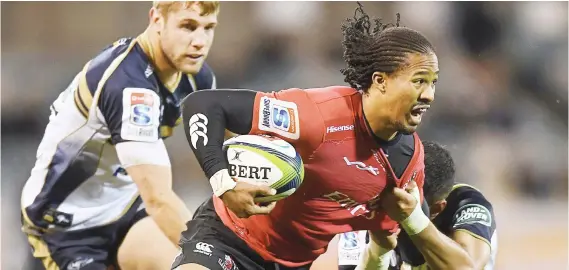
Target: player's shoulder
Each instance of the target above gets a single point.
(467, 204)
(331, 94)
(462, 194)
(120, 65)
(204, 79)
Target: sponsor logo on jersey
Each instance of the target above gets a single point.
(79, 263)
(227, 264)
(332, 129)
(148, 71)
(473, 213)
(362, 166)
(251, 172)
(356, 208)
(203, 248)
(57, 218)
(280, 117)
(198, 129)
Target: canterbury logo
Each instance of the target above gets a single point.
(198, 129)
(204, 247)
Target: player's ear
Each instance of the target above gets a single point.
(437, 207)
(156, 19)
(379, 81)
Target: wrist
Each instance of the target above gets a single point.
(221, 182)
(416, 222)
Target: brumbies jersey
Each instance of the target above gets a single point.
(77, 181)
(467, 210)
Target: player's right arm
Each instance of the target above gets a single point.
(439, 251)
(133, 118)
(207, 114)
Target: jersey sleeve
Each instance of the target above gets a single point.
(131, 113)
(207, 114)
(475, 216)
(290, 115)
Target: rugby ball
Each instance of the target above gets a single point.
(265, 160)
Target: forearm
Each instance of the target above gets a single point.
(170, 214)
(207, 116)
(439, 251)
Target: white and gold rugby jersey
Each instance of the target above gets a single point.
(77, 181)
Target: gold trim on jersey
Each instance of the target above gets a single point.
(166, 131)
(170, 83)
(172, 86)
(192, 82)
(463, 185)
(41, 252)
(82, 95)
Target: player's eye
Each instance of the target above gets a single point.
(190, 27)
(435, 81)
(419, 81)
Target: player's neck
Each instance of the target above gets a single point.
(151, 47)
(380, 126)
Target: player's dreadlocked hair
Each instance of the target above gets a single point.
(439, 172)
(383, 48)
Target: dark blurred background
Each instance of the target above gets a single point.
(501, 103)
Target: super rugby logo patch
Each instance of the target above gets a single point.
(280, 117)
(140, 115)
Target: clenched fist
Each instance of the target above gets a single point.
(399, 203)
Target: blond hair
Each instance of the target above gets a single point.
(165, 7)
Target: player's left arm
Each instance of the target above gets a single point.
(206, 80)
(473, 226)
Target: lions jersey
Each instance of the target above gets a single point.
(467, 210)
(77, 181)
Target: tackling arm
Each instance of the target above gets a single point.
(477, 249)
(439, 251)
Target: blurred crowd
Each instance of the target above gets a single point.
(501, 101)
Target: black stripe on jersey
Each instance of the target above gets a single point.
(83, 109)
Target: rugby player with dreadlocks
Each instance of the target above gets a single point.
(364, 165)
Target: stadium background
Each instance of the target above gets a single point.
(501, 104)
